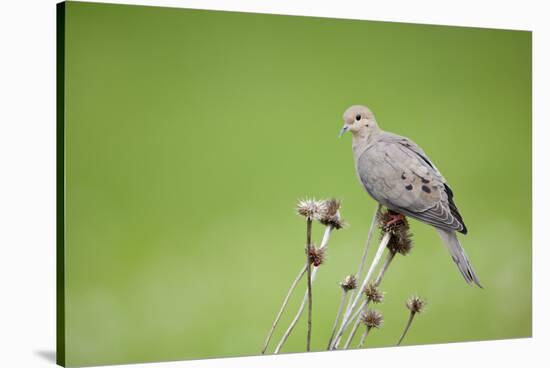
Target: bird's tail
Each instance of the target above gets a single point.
(459, 256)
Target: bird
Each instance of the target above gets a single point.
(399, 175)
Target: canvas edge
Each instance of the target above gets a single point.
(60, 183)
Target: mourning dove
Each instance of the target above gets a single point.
(400, 176)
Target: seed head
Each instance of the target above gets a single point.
(310, 208)
(401, 242)
(401, 237)
(415, 304)
(372, 319)
(349, 283)
(331, 215)
(316, 256)
(373, 293)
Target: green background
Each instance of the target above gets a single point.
(190, 135)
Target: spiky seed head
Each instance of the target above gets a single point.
(401, 241)
(310, 208)
(349, 283)
(373, 293)
(401, 236)
(372, 318)
(316, 256)
(331, 215)
(332, 206)
(415, 304)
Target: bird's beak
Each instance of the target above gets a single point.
(343, 130)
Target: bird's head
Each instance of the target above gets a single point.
(359, 120)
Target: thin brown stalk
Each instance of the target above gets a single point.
(309, 291)
(409, 323)
(324, 245)
(285, 303)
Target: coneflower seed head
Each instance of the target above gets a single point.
(415, 304)
(349, 283)
(310, 208)
(373, 293)
(331, 215)
(372, 318)
(316, 256)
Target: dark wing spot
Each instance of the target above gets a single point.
(403, 176)
(425, 181)
(408, 187)
(426, 189)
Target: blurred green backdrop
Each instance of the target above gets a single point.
(191, 134)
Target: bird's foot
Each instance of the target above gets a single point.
(394, 218)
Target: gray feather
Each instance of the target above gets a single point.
(459, 256)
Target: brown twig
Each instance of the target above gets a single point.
(409, 323)
(309, 291)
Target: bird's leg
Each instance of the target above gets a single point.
(394, 218)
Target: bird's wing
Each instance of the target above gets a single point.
(398, 174)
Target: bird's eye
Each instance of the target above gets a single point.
(358, 117)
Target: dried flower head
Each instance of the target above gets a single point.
(331, 215)
(349, 283)
(372, 318)
(373, 293)
(415, 304)
(310, 208)
(316, 255)
(401, 241)
(398, 227)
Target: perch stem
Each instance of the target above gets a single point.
(409, 323)
(285, 302)
(387, 263)
(377, 282)
(372, 267)
(363, 257)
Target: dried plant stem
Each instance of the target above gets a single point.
(377, 282)
(309, 291)
(296, 317)
(367, 244)
(324, 245)
(409, 323)
(338, 315)
(352, 306)
(356, 323)
(285, 302)
(382, 272)
(375, 261)
(364, 337)
(364, 256)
